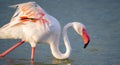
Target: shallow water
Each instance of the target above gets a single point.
(102, 20)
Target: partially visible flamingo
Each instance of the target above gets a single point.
(32, 24)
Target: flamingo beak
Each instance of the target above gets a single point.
(85, 37)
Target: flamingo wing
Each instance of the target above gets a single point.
(29, 11)
(26, 16)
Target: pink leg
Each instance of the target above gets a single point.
(11, 48)
(32, 53)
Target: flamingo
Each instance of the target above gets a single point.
(32, 24)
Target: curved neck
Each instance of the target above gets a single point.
(55, 45)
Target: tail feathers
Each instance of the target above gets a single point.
(7, 32)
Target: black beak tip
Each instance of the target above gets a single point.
(86, 44)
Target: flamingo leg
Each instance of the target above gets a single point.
(32, 53)
(11, 48)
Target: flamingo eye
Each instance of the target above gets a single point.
(35, 5)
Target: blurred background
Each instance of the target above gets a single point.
(101, 18)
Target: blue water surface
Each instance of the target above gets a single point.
(102, 20)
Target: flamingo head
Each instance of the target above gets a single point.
(85, 37)
(81, 30)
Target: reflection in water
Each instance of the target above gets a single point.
(10, 61)
(65, 62)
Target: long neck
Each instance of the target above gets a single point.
(55, 45)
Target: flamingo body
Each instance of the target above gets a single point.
(32, 24)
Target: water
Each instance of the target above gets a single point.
(102, 20)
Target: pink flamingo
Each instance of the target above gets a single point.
(32, 24)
